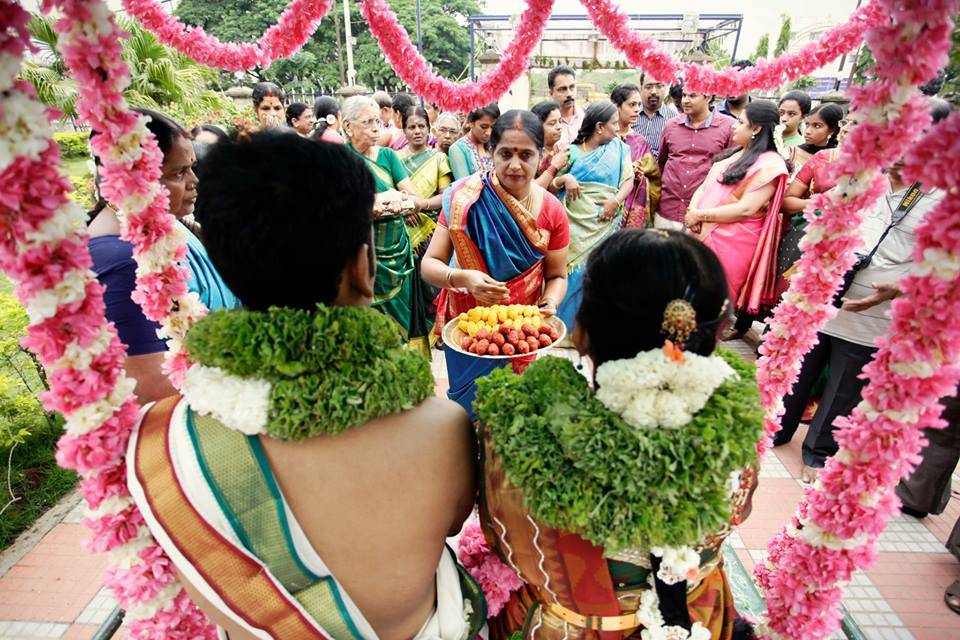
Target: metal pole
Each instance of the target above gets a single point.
(843, 61)
(736, 43)
(351, 72)
(473, 75)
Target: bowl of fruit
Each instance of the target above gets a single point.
(503, 331)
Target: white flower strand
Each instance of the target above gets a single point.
(651, 390)
(239, 403)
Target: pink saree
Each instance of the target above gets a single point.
(747, 249)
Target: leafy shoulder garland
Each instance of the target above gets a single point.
(320, 371)
(582, 468)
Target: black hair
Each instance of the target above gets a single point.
(597, 112)
(263, 90)
(663, 266)
(758, 112)
(832, 114)
(520, 120)
(742, 64)
(402, 102)
(414, 110)
(544, 108)
(676, 91)
(619, 95)
(559, 71)
(295, 110)
(938, 108)
(933, 86)
(491, 111)
(322, 107)
(802, 98)
(383, 99)
(164, 128)
(262, 221)
(221, 135)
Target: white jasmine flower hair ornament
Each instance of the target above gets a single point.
(778, 139)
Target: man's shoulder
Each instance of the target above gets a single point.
(437, 418)
(721, 119)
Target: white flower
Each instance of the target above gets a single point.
(152, 607)
(68, 220)
(648, 612)
(939, 264)
(77, 357)
(677, 564)
(127, 149)
(90, 416)
(137, 201)
(72, 288)
(239, 403)
(24, 129)
(128, 554)
(110, 507)
(651, 390)
(733, 483)
(817, 537)
(916, 369)
(699, 632)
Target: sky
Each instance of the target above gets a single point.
(759, 16)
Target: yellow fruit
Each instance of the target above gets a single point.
(472, 328)
(474, 314)
(536, 321)
(463, 317)
(527, 312)
(501, 313)
(462, 325)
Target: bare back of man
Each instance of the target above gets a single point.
(376, 503)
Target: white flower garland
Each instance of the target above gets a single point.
(652, 390)
(242, 404)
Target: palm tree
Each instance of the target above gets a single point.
(160, 77)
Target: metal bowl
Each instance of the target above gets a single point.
(452, 336)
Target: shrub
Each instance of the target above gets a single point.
(73, 145)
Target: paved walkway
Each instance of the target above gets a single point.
(54, 590)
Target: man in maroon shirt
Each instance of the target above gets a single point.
(689, 143)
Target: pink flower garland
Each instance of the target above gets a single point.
(836, 525)
(293, 28)
(44, 250)
(411, 67)
(645, 53)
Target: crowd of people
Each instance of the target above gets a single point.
(604, 216)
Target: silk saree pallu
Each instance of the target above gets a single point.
(642, 202)
(600, 174)
(208, 494)
(494, 233)
(747, 249)
(572, 588)
(397, 290)
(430, 174)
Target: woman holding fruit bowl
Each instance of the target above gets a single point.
(508, 240)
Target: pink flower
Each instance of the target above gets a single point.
(496, 579)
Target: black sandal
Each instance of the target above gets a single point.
(951, 596)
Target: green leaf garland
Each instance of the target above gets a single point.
(329, 369)
(582, 468)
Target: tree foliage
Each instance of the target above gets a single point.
(763, 48)
(321, 63)
(783, 40)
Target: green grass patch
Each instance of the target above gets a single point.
(75, 167)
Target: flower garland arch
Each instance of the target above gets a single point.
(44, 250)
(293, 28)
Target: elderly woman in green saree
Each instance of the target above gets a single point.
(398, 290)
(592, 188)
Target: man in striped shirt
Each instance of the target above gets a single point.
(655, 113)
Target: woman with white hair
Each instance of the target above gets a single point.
(398, 289)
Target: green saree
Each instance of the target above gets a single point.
(397, 289)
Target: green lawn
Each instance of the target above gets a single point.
(75, 168)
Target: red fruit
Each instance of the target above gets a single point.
(545, 329)
(509, 349)
(529, 330)
(533, 342)
(493, 350)
(482, 346)
(554, 334)
(466, 343)
(498, 339)
(513, 337)
(545, 340)
(483, 334)
(505, 329)
(523, 346)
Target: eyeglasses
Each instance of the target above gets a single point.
(447, 131)
(370, 123)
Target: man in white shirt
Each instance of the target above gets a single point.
(846, 344)
(562, 84)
